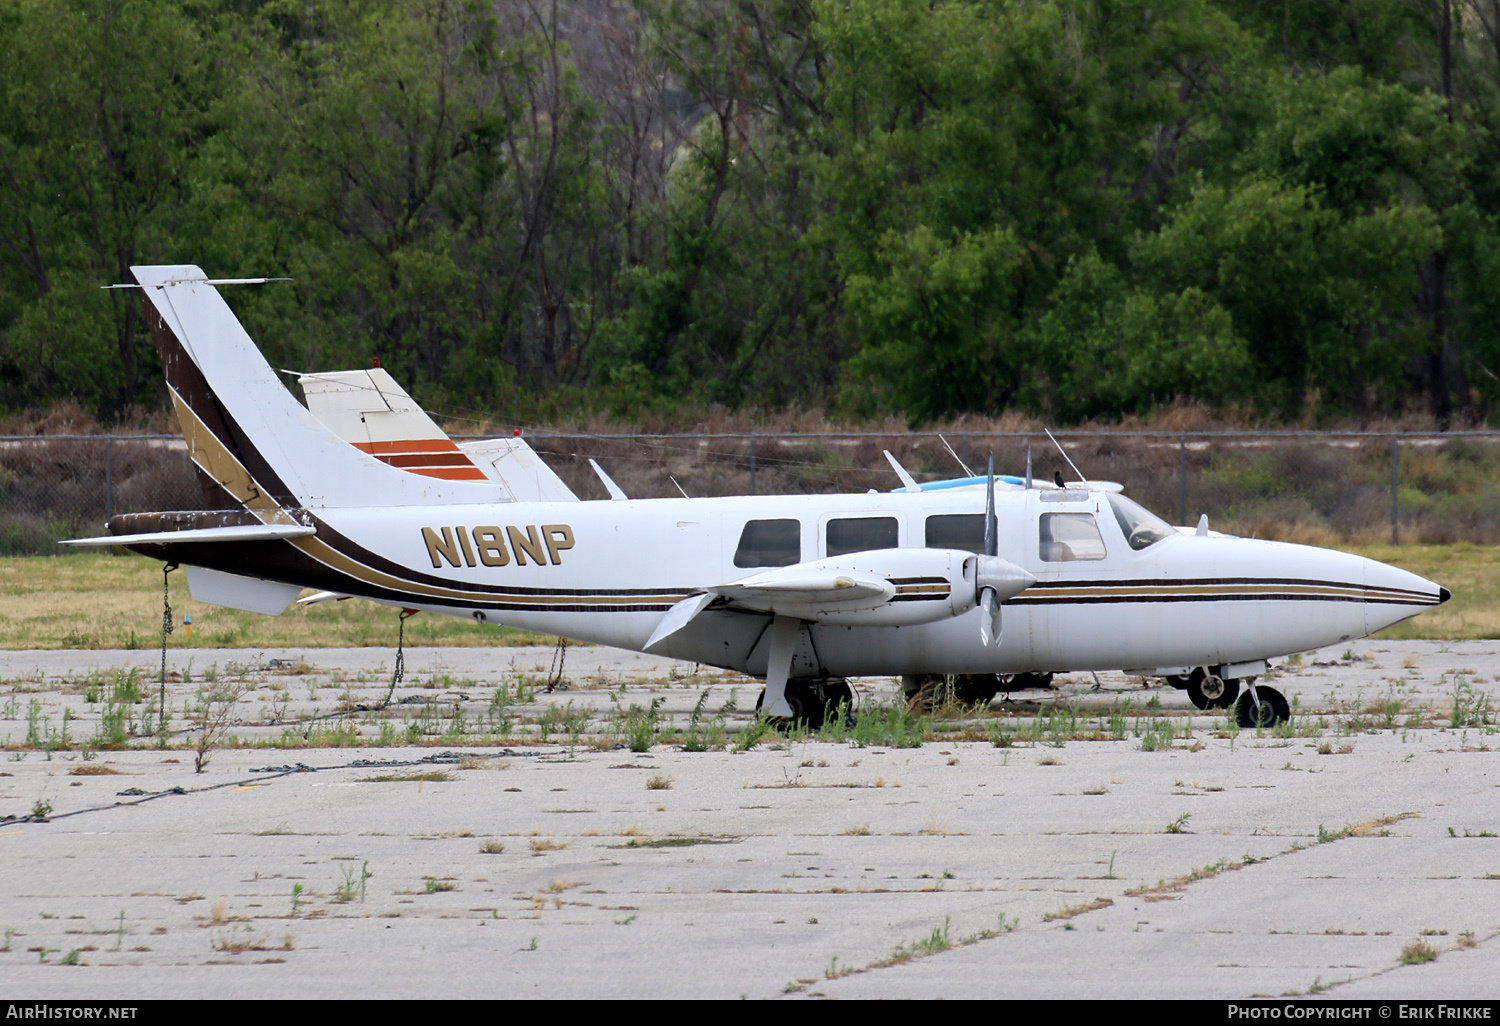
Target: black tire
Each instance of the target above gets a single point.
(837, 693)
(808, 702)
(1272, 709)
(1180, 681)
(1027, 681)
(923, 690)
(975, 688)
(1207, 691)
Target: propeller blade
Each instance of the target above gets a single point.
(991, 527)
(989, 618)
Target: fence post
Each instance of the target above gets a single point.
(752, 463)
(109, 477)
(1395, 467)
(1182, 475)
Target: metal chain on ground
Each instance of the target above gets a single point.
(400, 670)
(555, 675)
(166, 628)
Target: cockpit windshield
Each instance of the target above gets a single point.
(1141, 527)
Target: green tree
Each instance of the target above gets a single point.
(101, 107)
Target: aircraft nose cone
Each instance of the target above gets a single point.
(1393, 595)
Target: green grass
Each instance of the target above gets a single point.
(95, 600)
(1470, 572)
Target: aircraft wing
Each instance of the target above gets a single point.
(882, 587)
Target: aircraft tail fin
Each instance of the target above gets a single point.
(249, 434)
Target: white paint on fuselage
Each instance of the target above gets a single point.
(689, 544)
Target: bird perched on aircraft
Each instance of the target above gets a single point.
(352, 495)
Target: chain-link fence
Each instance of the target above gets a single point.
(1323, 488)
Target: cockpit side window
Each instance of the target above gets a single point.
(860, 534)
(962, 531)
(1141, 527)
(1066, 537)
(769, 543)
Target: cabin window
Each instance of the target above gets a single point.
(962, 531)
(860, 534)
(1141, 527)
(1069, 536)
(770, 543)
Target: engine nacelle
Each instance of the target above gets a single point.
(878, 588)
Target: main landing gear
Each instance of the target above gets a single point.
(814, 700)
(935, 689)
(1258, 707)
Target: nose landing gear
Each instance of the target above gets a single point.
(1256, 707)
(1262, 707)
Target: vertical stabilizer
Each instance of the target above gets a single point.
(246, 431)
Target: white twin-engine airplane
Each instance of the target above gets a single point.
(359, 494)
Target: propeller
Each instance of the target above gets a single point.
(996, 579)
(989, 600)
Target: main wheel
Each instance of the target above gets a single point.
(975, 688)
(837, 693)
(1027, 681)
(1210, 691)
(1269, 711)
(807, 701)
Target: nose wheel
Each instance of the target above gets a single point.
(1210, 691)
(1262, 707)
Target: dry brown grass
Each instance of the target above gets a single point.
(1377, 827)
(1077, 910)
(92, 769)
(95, 600)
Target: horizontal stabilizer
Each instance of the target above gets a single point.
(243, 533)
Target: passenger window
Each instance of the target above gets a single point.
(770, 543)
(860, 534)
(963, 531)
(1070, 536)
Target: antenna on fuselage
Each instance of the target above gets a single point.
(615, 491)
(1064, 452)
(901, 472)
(955, 456)
(1028, 466)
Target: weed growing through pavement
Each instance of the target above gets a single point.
(354, 883)
(1179, 825)
(211, 716)
(755, 732)
(1417, 952)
